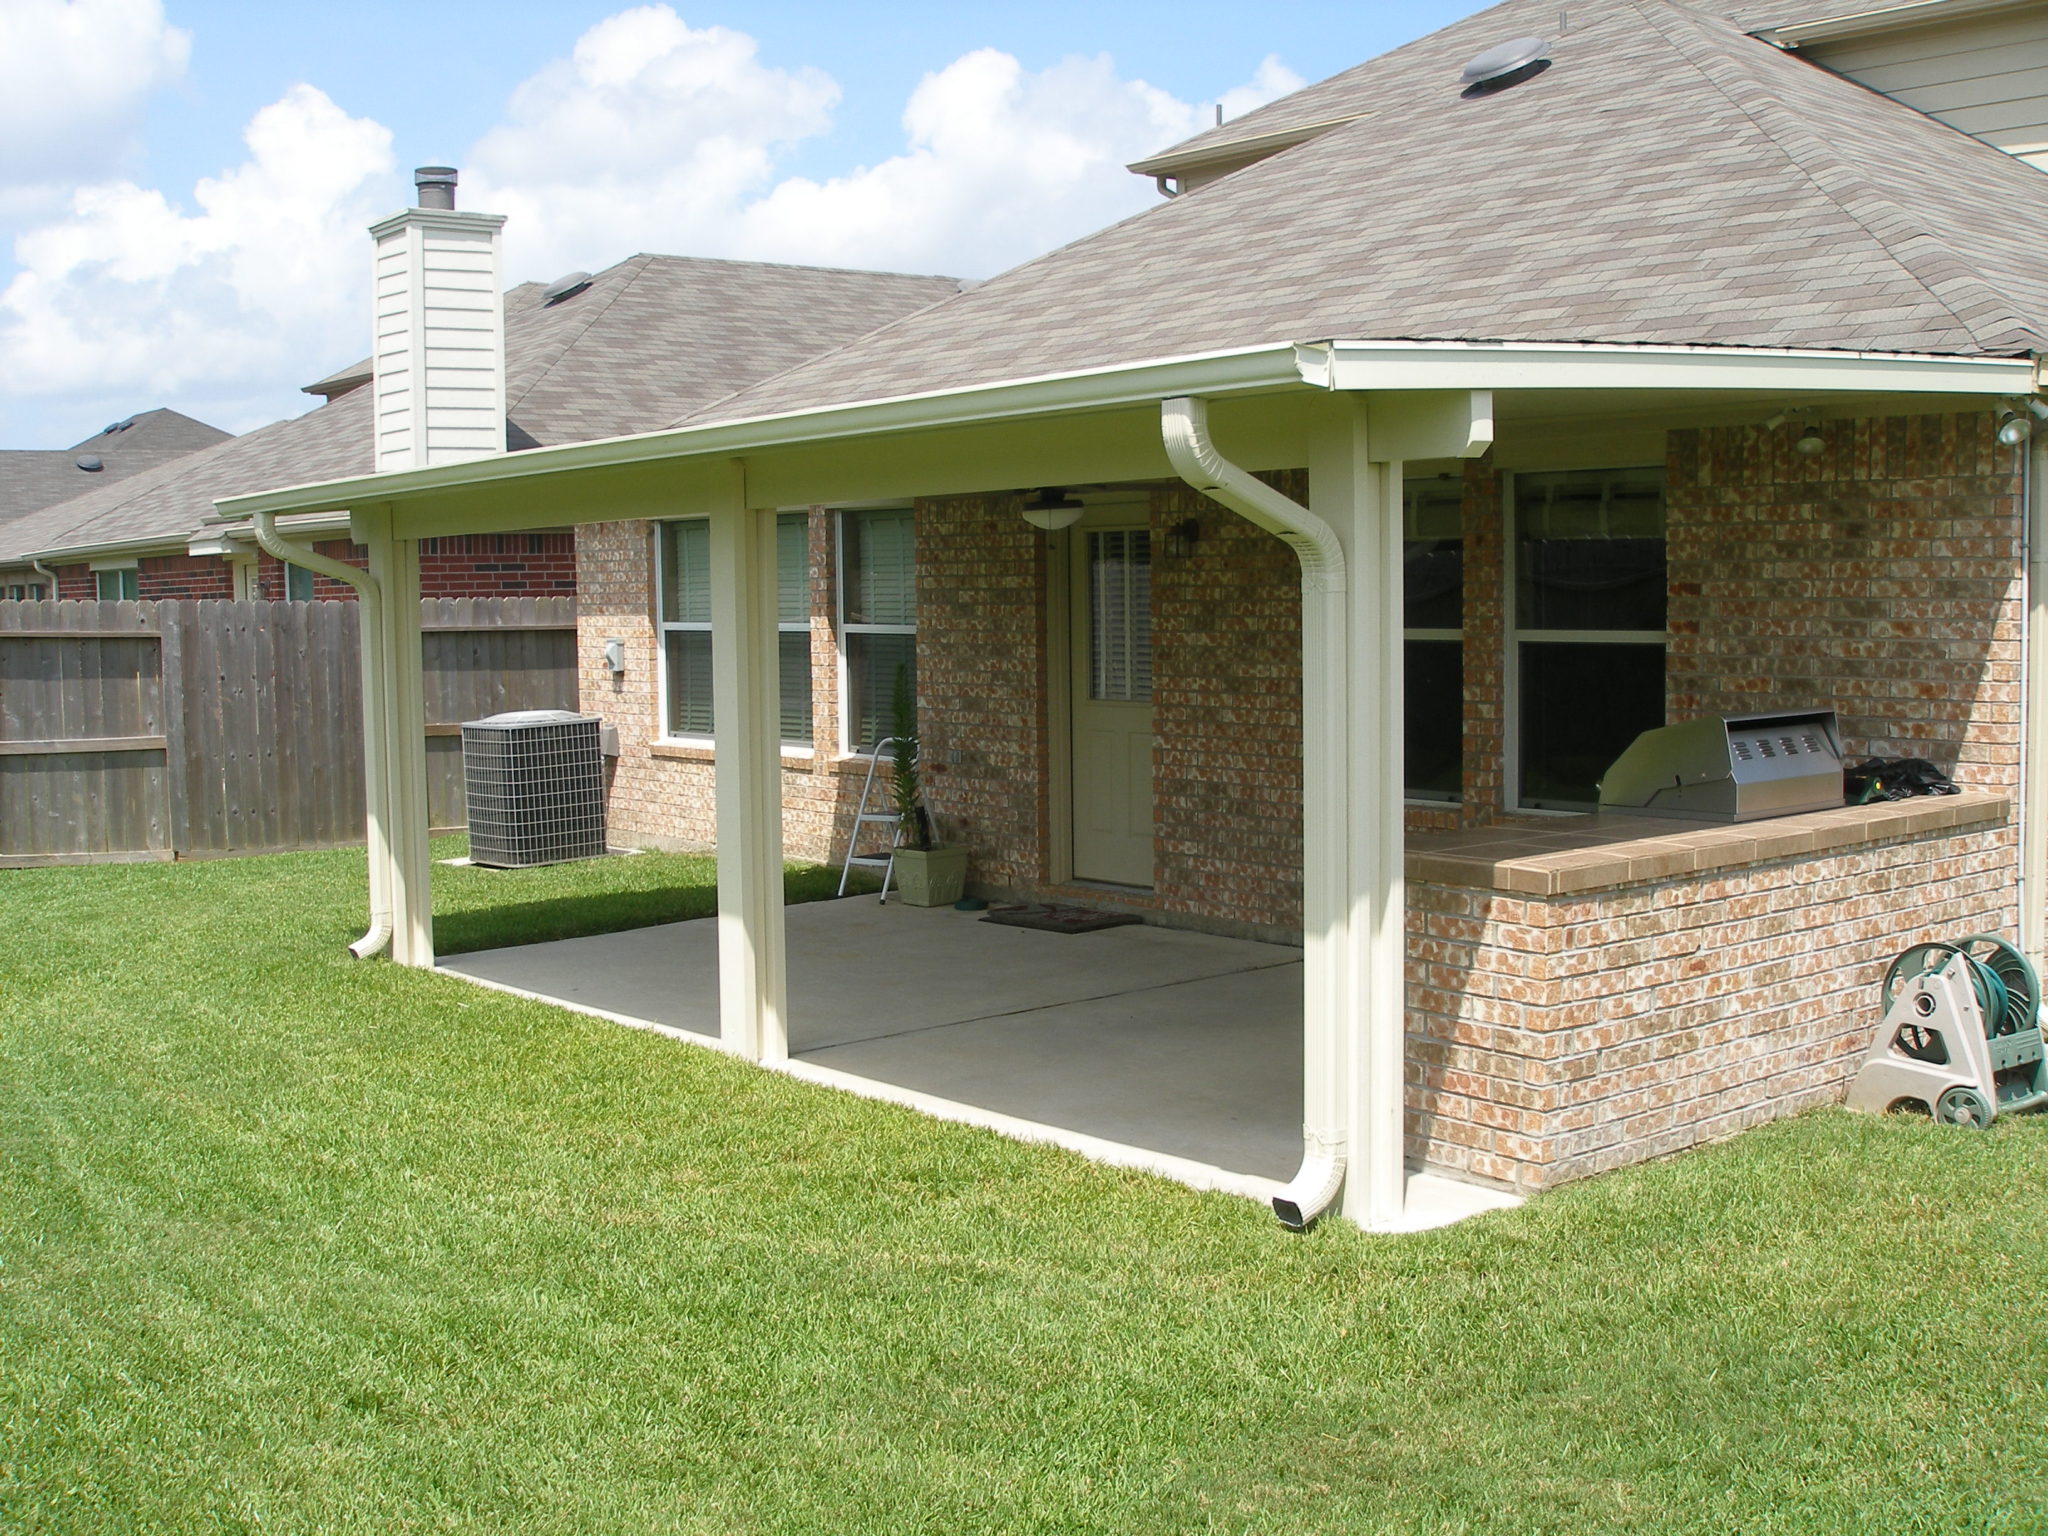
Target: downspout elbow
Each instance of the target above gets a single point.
(1314, 1187)
(47, 574)
(1184, 430)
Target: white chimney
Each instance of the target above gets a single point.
(439, 339)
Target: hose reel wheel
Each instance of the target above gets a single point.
(1963, 1106)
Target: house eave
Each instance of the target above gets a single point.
(1379, 365)
(1872, 21)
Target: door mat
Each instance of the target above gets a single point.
(1061, 919)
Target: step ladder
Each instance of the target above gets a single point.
(863, 818)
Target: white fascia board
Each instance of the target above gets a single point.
(110, 554)
(232, 540)
(1874, 20)
(1240, 370)
(1401, 365)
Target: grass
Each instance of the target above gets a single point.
(294, 1244)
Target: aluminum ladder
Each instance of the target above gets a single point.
(863, 818)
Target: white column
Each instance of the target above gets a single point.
(1360, 498)
(395, 565)
(752, 982)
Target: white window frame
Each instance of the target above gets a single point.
(1513, 635)
(842, 628)
(663, 626)
(102, 569)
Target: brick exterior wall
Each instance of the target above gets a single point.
(1484, 780)
(1554, 1037)
(483, 565)
(1226, 716)
(1882, 577)
(662, 793)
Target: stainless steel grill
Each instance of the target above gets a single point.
(1730, 768)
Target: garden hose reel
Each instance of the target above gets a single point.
(1961, 1037)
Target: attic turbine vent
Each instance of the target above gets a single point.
(566, 287)
(91, 463)
(1503, 65)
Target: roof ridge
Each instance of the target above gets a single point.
(1948, 277)
(575, 336)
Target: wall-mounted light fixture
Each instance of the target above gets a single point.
(1052, 508)
(2017, 424)
(1183, 536)
(615, 656)
(1809, 442)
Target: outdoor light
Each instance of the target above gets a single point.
(2014, 429)
(1052, 508)
(1810, 443)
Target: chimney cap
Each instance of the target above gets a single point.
(436, 184)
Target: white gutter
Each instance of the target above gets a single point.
(376, 770)
(1326, 896)
(1880, 19)
(1375, 365)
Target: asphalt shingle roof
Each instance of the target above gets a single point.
(1669, 179)
(32, 478)
(650, 338)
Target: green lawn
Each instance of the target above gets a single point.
(291, 1243)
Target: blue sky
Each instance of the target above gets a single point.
(183, 186)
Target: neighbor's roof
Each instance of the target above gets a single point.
(1668, 179)
(31, 478)
(650, 338)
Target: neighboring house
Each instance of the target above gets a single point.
(1433, 440)
(597, 356)
(34, 478)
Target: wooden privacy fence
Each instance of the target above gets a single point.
(150, 730)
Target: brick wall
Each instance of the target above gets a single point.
(1226, 712)
(482, 565)
(982, 683)
(1881, 577)
(1554, 1037)
(1484, 787)
(662, 793)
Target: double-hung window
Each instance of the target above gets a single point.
(1433, 644)
(877, 618)
(1589, 628)
(298, 584)
(684, 605)
(118, 586)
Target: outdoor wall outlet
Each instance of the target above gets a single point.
(615, 655)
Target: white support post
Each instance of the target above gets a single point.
(752, 979)
(1360, 498)
(395, 565)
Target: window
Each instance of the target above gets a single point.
(877, 618)
(28, 592)
(118, 586)
(1433, 644)
(1589, 588)
(684, 580)
(298, 584)
(1120, 616)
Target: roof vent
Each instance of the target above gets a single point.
(91, 463)
(435, 187)
(565, 287)
(1503, 65)
(119, 426)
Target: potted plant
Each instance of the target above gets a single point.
(926, 874)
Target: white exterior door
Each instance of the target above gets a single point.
(1112, 705)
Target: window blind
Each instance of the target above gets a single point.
(1120, 615)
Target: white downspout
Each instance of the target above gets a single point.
(376, 771)
(47, 574)
(1326, 894)
(2034, 708)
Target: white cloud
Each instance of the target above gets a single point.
(654, 136)
(266, 281)
(647, 137)
(74, 77)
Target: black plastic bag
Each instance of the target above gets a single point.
(1893, 778)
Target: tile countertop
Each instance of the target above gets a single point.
(1555, 856)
